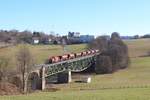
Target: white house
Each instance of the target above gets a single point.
(36, 40)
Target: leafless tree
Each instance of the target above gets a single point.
(4, 68)
(25, 64)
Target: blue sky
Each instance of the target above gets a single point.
(98, 17)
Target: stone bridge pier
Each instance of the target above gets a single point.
(34, 80)
(43, 80)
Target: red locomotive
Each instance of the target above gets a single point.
(55, 59)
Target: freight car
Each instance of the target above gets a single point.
(55, 59)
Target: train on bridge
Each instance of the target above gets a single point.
(55, 59)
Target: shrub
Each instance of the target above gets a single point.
(114, 53)
(103, 65)
(122, 58)
(100, 43)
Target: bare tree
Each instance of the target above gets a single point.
(25, 64)
(4, 68)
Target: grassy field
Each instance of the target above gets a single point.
(138, 47)
(40, 52)
(108, 94)
(136, 76)
(132, 83)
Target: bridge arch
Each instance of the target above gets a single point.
(34, 81)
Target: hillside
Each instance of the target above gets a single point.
(132, 83)
(40, 52)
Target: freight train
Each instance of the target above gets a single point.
(55, 59)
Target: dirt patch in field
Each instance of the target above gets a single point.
(8, 89)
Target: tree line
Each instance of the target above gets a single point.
(16, 37)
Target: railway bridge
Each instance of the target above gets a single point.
(64, 68)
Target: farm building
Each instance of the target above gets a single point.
(86, 38)
(36, 40)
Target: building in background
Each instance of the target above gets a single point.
(86, 38)
(36, 40)
(75, 38)
(73, 34)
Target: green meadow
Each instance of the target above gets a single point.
(108, 94)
